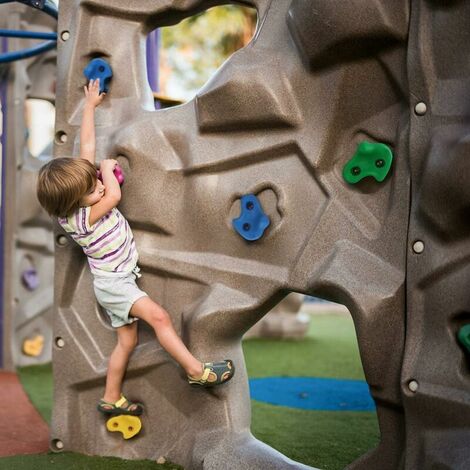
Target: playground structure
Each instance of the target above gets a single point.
(27, 267)
(281, 120)
(29, 71)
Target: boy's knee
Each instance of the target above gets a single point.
(159, 317)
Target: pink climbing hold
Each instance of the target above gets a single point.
(117, 173)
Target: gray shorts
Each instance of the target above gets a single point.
(117, 294)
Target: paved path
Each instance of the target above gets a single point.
(22, 429)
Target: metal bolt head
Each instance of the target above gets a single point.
(58, 444)
(379, 163)
(413, 386)
(62, 240)
(355, 170)
(60, 343)
(65, 35)
(418, 246)
(421, 108)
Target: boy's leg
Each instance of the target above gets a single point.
(157, 317)
(127, 340)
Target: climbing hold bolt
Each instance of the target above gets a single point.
(418, 246)
(413, 386)
(421, 108)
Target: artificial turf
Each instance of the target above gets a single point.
(328, 440)
(73, 461)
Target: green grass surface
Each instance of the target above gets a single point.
(328, 440)
(322, 439)
(37, 381)
(329, 350)
(72, 461)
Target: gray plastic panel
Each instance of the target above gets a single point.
(28, 241)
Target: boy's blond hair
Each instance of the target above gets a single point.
(62, 182)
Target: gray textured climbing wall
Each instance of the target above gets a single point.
(280, 120)
(436, 370)
(28, 241)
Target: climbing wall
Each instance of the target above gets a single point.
(436, 368)
(290, 171)
(28, 248)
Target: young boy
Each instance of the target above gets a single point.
(68, 188)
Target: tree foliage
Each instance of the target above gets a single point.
(194, 49)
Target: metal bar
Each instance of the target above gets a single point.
(14, 33)
(29, 52)
(46, 6)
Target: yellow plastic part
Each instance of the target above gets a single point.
(33, 347)
(127, 425)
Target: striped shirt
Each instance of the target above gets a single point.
(108, 243)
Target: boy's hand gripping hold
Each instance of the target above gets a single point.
(92, 93)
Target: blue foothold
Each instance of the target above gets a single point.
(99, 68)
(252, 221)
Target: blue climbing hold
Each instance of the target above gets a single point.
(252, 221)
(99, 68)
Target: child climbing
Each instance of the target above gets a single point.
(69, 189)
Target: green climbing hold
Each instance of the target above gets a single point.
(464, 337)
(371, 159)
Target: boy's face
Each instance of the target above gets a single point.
(94, 195)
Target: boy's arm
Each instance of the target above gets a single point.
(111, 197)
(87, 133)
(93, 98)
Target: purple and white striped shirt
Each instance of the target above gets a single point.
(108, 244)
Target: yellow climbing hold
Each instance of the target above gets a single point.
(128, 425)
(33, 347)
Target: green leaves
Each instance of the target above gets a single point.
(195, 48)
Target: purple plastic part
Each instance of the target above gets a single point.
(30, 279)
(117, 173)
(153, 40)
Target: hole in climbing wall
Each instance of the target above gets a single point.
(307, 383)
(182, 58)
(39, 118)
